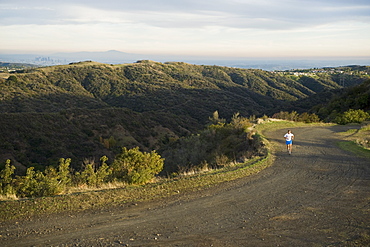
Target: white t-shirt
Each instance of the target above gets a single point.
(288, 136)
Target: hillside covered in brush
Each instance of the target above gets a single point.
(86, 110)
(179, 88)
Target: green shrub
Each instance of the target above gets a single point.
(87, 176)
(136, 167)
(352, 116)
(37, 184)
(93, 176)
(308, 118)
(34, 183)
(48, 183)
(103, 171)
(6, 180)
(64, 175)
(240, 123)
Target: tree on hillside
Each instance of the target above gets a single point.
(12, 79)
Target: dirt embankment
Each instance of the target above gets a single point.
(318, 196)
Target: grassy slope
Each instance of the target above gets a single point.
(354, 148)
(357, 141)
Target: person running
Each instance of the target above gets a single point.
(289, 141)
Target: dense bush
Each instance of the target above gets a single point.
(308, 118)
(220, 144)
(35, 183)
(134, 167)
(137, 167)
(352, 116)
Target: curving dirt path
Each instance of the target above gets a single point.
(318, 196)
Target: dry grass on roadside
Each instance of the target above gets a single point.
(354, 148)
(357, 140)
(105, 186)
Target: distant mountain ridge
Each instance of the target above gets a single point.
(62, 58)
(111, 56)
(119, 57)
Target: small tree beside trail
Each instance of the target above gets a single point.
(136, 167)
(6, 187)
(93, 176)
(64, 175)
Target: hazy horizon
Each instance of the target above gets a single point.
(118, 57)
(49, 53)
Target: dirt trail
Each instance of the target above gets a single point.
(318, 196)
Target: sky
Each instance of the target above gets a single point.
(225, 28)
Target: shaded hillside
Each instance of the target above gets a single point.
(356, 97)
(329, 103)
(179, 88)
(33, 139)
(87, 109)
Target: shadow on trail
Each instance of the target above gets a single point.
(344, 128)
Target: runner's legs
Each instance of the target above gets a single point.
(289, 148)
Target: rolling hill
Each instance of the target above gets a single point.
(87, 109)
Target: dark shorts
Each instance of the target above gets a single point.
(288, 142)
